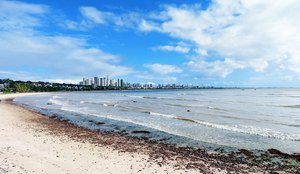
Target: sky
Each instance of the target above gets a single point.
(242, 43)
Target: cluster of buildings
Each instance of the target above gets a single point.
(119, 83)
(102, 81)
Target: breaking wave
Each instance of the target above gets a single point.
(265, 132)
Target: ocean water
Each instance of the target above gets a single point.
(253, 119)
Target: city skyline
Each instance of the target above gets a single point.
(102, 81)
(207, 42)
(106, 81)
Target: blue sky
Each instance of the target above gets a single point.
(218, 42)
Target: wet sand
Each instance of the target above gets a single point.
(33, 143)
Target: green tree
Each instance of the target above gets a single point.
(22, 87)
(7, 90)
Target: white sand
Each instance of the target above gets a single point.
(22, 150)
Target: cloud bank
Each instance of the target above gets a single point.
(244, 34)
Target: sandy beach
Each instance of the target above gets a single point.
(33, 143)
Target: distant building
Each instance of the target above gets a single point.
(107, 80)
(84, 81)
(101, 82)
(104, 81)
(91, 81)
(122, 83)
(111, 83)
(96, 81)
(88, 82)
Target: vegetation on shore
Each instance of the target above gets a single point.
(10, 86)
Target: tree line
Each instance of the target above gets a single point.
(10, 86)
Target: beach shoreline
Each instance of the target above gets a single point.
(110, 152)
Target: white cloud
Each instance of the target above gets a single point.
(201, 52)
(53, 56)
(63, 54)
(14, 13)
(216, 68)
(92, 17)
(163, 69)
(93, 14)
(252, 33)
(178, 48)
(19, 75)
(148, 26)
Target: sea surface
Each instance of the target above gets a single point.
(235, 118)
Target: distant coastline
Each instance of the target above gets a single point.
(10, 86)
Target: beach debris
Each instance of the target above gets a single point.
(123, 132)
(295, 156)
(53, 116)
(140, 132)
(144, 138)
(277, 152)
(99, 122)
(186, 119)
(96, 122)
(247, 153)
(65, 120)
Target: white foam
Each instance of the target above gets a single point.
(134, 96)
(56, 97)
(57, 102)
(265, 132)
(163, 115)
(210, 107)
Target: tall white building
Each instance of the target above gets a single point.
(84, 82)
(119, 83)
(88, 82)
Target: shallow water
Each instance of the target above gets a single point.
(252, 119)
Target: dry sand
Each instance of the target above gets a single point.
(32, 143)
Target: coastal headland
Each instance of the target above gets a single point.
(34, 143)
